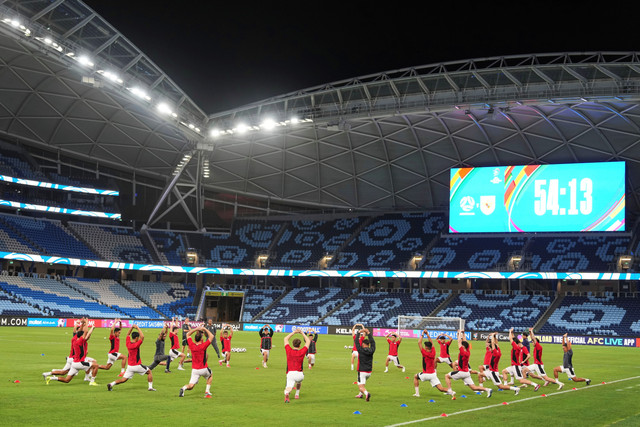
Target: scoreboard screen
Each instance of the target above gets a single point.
(538, 198)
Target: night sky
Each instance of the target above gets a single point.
(228, 54)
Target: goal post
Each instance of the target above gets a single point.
(442, 324)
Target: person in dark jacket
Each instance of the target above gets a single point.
(365, 349)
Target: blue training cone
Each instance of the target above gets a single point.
(404, 405)
(464, 396)
(478, 392)
(357, 413)
(432, 401)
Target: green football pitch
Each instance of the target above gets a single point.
(248, 394)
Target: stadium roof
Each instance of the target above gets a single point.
(71, 82)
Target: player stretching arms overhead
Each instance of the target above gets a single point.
(366, 348)
(311, 355)
(113, 356)
(199, 366)
(266, 333)
(394, 342)
(462, 372)
(515, 369)
(295, 360)
(487, 359)
(536, 369)
(161, 358)
(493, 371)
(76, 327)
(567, 363)
(225, 341)
(354, 350)
(428, 367)
(135, 366)
(80, 360)
(444, 350)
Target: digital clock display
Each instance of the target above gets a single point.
(538, 198)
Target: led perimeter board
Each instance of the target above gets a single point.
(538, 198)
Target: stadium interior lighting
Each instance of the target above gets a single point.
(139, 93)
(111, 76)
(625, 262)
(164, 108)
(85, 61)
(268, 124)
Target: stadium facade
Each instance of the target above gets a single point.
(370, 157)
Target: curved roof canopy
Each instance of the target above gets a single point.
(383, 141)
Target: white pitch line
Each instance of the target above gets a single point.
(510, 403)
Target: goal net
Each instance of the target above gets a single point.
(443, 324)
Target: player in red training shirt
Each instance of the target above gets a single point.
(428, 367)
(76, 327)
(515, 369)
(354, 350)
(487, 358)
(81, 362)
(113, 356)
(493, 371)
(394, 342)
(199, 366)
(295, 362)
(225, 341)
(135, 366)
(536, 369)
(445, 357)
(462, 372)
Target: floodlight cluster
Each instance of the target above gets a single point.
(265, 125)
(86, 62)
(162, 107)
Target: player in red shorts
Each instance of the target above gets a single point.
(113, 356)
(295, 362)
(428, 373)
(445, 357)
(199, 366)
(225, 341)
(462, 372)
(394, 342)
(135, 366)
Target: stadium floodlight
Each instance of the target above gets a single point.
(215, 133)
(85, 61)
(268, 124)
(164, 108)
(111, 76)
(139, 93)
(241, 128)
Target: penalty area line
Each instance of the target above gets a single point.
(481, 408)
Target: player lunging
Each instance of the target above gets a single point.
(135, 366)
(462, 372)
(295, 360)
(536, 369)
(567, 363)
(428, 367)
(199, 366)
(394, 342)
(113, 356)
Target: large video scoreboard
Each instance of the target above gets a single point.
(538, 198)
